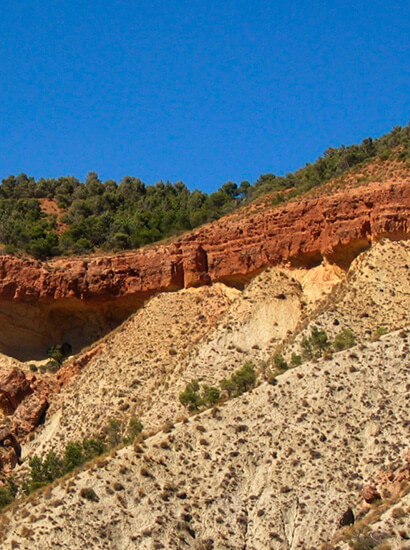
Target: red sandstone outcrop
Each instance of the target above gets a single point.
(28, 415)
(71, 368)
(231, 249)
(14, 387)
(67, 298)
(24, 399)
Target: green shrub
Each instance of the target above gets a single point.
(228, 385)
(114, 429)
(316, 344)
(279, 362)
(344, 340)
(244, 379)
(12, 486)
(92, 447)
(55, 353)
(190, 397)
(43, 472)
(306, 348)
(73, 456)
(210, 395)
(33, 368)
(319, 339)
(7, 493)
(241, 381)
(135, 427)
(296, 360)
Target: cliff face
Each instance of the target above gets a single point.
(77, 300)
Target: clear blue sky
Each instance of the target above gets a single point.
(198, 91)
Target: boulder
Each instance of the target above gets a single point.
(14, 387)
(23, 398)
(29, 413)
(370, 494)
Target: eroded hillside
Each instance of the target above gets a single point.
(276, 468)
(208, 332)
(373, 299)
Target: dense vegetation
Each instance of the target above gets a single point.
(108, 216)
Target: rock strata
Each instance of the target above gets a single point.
(78, 300)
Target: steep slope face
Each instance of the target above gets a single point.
(276, 468)
(207, 333)
(374, 298)
(125, 373)
(78, 300)
(203, 334)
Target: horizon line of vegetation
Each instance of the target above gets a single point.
(108, 216)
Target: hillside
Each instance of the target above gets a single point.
(312, 453)
(207, 333)
(259, 470)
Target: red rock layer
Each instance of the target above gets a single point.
(98, 292)
(231, 249)
(23, 398)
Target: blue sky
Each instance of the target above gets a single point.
(198, 91)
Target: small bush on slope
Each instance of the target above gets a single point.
(279, 362)
(344, 340)
(7, 493)
(241, 381)
(194, 400)
(315, 344)
(190, 397)
(244, 379)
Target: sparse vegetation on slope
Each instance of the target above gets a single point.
(259, 471)
(194, 398)
(43, 471)
(275, 467)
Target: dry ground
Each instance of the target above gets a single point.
(275, 468)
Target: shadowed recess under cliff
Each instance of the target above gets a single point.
(29, 329)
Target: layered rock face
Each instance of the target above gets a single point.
(78, 300)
